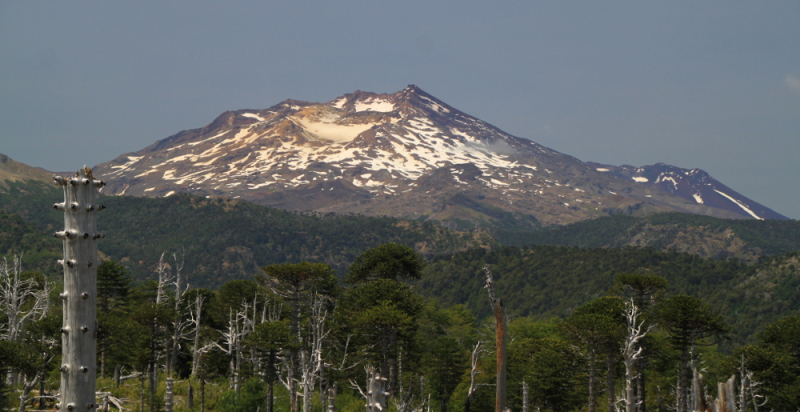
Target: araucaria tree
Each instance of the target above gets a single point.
(388, 261)
(389, 315)
(298, 284)
(598, 326)
(688, 321)
(382, 315)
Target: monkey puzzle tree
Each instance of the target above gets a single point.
(382, 315)
(446, 360)
(688, 321)
(113, 286)
(270, 338)
(598, 325)
(387, 261)
(297, 283)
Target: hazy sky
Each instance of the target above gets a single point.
(712, 85)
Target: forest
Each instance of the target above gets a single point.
(216, 304)
(638, 332)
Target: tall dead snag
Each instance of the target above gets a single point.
(477, 351)
(698, 400)
(79, 327)
(499, 311)
(180, 324)
(631, 352)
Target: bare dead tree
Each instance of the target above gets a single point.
(168, 395)
(195, 311)
(28, 383)
(79, 327)
(500, 335)
(239, 326)
(524, 396)
(749, 389)
(22, 300)
(165, 277)
(312, 363)
(179, 324)
(375, 393)
(632, 351)
(477, 351)
(160, 349)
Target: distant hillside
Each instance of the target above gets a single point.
(33, 201)
(226, 239)
(17, 237)
(700, 235)
(548, 281)
(13, 171)
(229, 239)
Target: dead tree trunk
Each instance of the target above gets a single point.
(331, 399)
(180, 325)
(524, 396)
(610, 377)
(376, 391)
(26, 390)
(726, 396)
(500, 335)
(477, 350)
(631, 352)
(168, 396)
(698, 392)
(195, 319)
(79, 327)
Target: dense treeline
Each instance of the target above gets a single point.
(38, 251)
(248, 236)
(541, 281)
(229, 239)
(295, 328)
(551, 281)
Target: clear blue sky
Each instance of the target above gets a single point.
(713, 85)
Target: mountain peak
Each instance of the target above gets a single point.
(399, 154)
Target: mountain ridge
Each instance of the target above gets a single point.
(407, 155)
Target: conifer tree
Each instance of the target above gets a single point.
(687, 321)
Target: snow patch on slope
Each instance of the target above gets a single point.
(375, 105)
(740, 204)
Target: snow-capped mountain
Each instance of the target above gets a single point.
(405, 154)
